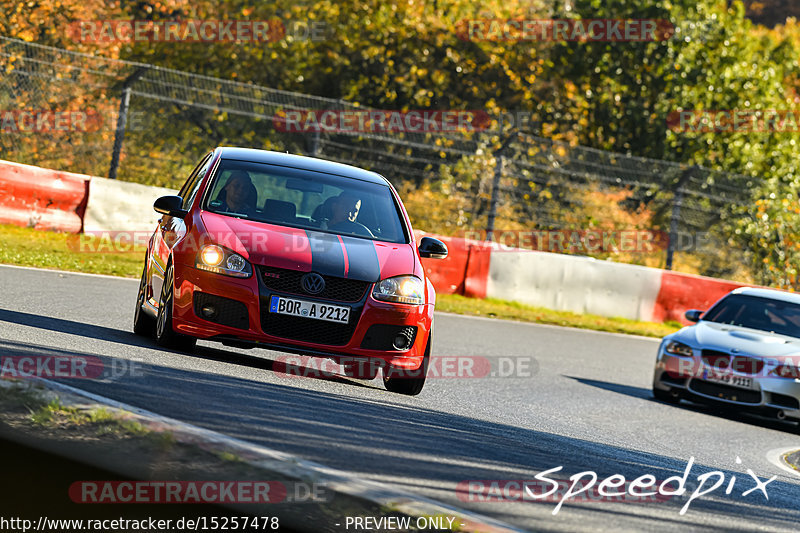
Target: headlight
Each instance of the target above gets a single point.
(678, 348)
(400, 289)
(212, 255)
(213, 258)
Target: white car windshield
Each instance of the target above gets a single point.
(753, 312)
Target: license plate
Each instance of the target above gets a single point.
(306, 309)
(728, 379)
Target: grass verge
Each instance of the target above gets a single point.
(66, 251)
(46, 249)
(492, 308)
(52, 413)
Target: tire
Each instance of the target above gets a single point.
(144, 325)
(166, 336)
(665, 396)
(408, 385)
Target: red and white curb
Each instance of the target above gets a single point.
(778, 458)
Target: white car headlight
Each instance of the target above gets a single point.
(678, 348)
(214, 258)
(212, 255)
(400, 289)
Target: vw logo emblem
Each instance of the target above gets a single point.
(313, 283)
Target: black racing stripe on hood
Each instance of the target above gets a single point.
(327, 256)
(362, 258)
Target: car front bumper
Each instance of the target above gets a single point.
(685, 377)
(246, 325)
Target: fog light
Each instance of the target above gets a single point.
(209, 311)
(401, 342)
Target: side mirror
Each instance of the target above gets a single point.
(170, 205)
(432, 248)
(693, 315)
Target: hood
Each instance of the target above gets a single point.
(726, 338)
(307, 250)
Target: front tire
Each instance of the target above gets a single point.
(395, 381)
(144, 325)
(166, 336)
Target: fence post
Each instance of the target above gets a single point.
(498, 174)
(314, 143)
(677, 203)
(119, 135)
(122, 119)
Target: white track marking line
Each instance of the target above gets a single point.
(57, 271)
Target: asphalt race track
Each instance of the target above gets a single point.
(584, 404)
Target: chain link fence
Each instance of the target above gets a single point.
(138, 122)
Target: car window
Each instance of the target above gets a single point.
(192, 185)
(306, 199)
(757, 313)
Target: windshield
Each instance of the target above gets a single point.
(306, 199)
(757, 313)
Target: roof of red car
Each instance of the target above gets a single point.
(299, 161)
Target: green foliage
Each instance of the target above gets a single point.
(409, 55)
(716, 61)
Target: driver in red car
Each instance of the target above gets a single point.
(239, 194)
(344, 212)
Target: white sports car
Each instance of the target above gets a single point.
(744, 352)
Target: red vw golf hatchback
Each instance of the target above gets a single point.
(294, 254)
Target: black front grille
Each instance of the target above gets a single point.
(227, 312)
(788, 402)
(738, 363)
(716, 359)
(381, 336)
(308, 329)
(338, 289)
(725, 392)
